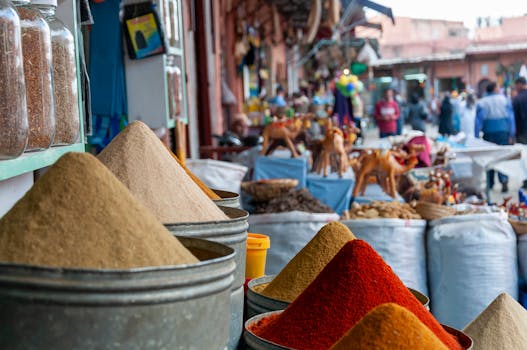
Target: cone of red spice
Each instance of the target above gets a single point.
(355, 282)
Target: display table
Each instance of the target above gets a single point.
(281, 168)
(333, 191)
(375, 193)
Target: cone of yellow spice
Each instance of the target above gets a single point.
(307, 264)
(389, 327)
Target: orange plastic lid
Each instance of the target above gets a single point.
(258, 241)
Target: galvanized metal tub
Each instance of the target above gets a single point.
(254, 342)
(463, 339)
(233, 233)
(168, 307)
(258, 303)
(228, 199)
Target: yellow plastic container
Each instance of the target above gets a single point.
(257, 246)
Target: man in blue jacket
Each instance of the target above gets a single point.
(494, 116)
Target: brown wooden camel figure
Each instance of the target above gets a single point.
(384, 166)
(337, 144)
(284, 131)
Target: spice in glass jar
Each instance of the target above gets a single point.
(64, 75)
(13, 112)
(36, 52)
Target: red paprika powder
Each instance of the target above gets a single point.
(356, 281)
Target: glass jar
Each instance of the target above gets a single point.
(13, 110)
(36, 52)
(174, 87)
(65, 88)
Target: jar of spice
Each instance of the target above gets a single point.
(36, 52)
(13, 111)
(174, 82)
(65, 88)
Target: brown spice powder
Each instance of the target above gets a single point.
(78, 215)
(139, 159)
(65, 88)
(307, 264)
(36, 50)
(13, 114)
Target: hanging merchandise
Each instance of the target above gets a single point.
(13, 111)
(358, 68)
(64, 76)
(36, 51)
(142, 30)
(106, 72)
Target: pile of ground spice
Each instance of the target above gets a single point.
(307, 264)
(139, 159)
(355, 282)
(300, 200)
(389, 327)
(502, 325)
(78, 215)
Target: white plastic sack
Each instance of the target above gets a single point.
(522, 256)
(401, 243)
(471, 260)
(218, 175)
(289, 233)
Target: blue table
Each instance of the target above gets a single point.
(333, 191)
(375, 193)
(281, 168)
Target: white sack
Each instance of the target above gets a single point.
(289, 233)
(401, 243)
(471, 260)
(218, 175)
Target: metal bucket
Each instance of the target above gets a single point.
(169, 307)
(253, 341)
(228, 199)
(258, 303)
(463, 339)
(232, 233)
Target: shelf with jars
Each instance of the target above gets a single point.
(156, 85)
(40, 108)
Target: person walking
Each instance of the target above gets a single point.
(446, 113)
(495, 118)
(417, 114)
(519, 105)
(467, 113)
(386, 114)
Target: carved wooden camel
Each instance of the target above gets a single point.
(286, 132)
(384, 166)
(338, 144)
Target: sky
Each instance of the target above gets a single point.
(456, 10)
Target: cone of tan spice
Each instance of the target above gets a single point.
(78, 215)
(389, 327)
(308, 263)
(142, 163)
(502, 325)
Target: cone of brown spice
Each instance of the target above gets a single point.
(143, 164)
(78, 215)
(307, 264)
(502, 325)
(389, 327)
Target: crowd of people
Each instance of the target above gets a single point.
(495, 117)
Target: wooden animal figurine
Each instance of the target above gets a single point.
(337, 144)
(384, 167)
(285, 132)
